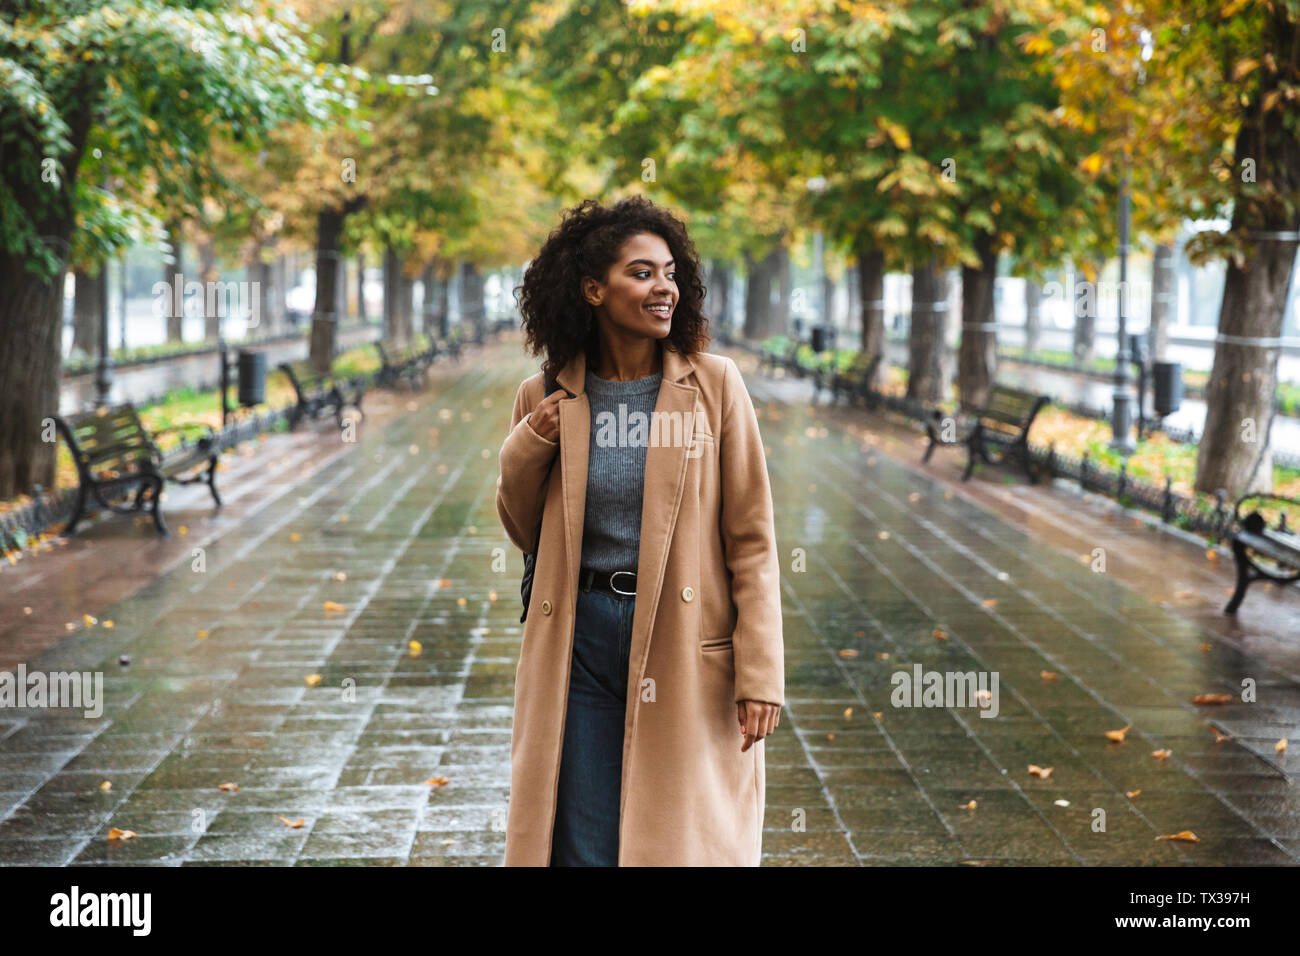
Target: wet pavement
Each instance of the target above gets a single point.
(286, 667)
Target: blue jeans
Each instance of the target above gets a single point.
(591, 765)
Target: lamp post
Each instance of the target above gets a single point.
(1122, 416)
(104, 367)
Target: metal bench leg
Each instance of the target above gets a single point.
(1244, 577)
(976, 445)
(929, 449)
(157, 509)
(1028, 463)
(78, 510)
(212, 480)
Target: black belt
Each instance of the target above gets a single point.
(617, 583)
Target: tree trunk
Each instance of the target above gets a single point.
(720, 281)
(781, 309)
(212, 324)
(759, 319)
(1162, 298)
(87, 305)
(925, 377)
(1085, 315)
(362, 315)
(978, 355)
(324, 319)
(341, 293)
(405, 305)
(1242, 390)
(871, 282)
(444, 299)
(471, 295)
(392, 298)
(175, 320)
(30, 332)
(1033, 315)
(427, 300)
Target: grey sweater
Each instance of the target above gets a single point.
(611, 528)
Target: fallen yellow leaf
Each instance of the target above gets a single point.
(106, 785)
(1118, 735)
(990, 602)
(437, 781)
(1131, 793)
(313, 680)
(291, 824)
(967, 806)
(415, 648)
(116, 834)
(1186, 835)
(332, 607)
(939, 634)
(228, 787)
(1212, 699)
(1049, 675)
(1042, 773)
(848, 652)
(1280, 746)
(1161, 754)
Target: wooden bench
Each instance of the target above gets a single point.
(854, 380)
(115, 454)
(1004, 420)
(1261, 552)
(406, 363)
(317, 392)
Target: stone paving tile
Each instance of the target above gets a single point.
(243, 674)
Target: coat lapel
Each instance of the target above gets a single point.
(665, 476)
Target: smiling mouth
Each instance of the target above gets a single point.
(663, 311)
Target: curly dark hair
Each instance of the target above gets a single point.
(559, 322)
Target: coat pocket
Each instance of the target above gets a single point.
(719, 644)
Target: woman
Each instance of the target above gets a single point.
(651, 667)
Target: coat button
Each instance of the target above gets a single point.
(546, 607)
(688, 592)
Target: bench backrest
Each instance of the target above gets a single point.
(304, 375)
(863, 363)
(108, 440)
(1010, 410)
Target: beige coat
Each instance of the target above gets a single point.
(706, 631)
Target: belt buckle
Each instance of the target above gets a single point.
(614, 586)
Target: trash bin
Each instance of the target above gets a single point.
(252, 377)
(1168, 387)
(820, 338)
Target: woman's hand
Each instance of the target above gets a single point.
(757, 719)
(545, 419)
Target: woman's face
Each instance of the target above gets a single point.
(640, 291)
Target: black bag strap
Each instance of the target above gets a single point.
(551, 386)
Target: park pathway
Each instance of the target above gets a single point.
(346, 658)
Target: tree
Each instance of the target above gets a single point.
(1198, 101)
(134, 90)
